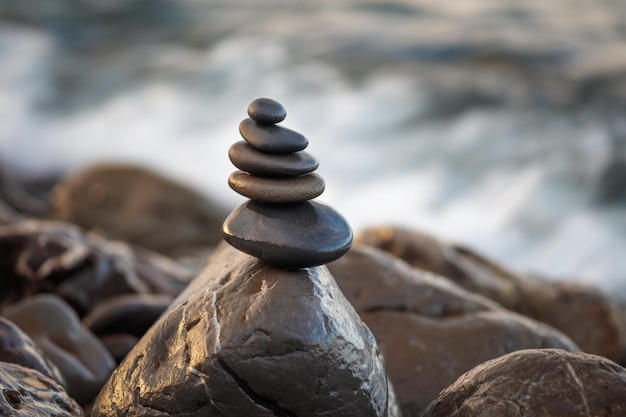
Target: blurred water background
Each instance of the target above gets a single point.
(497, 123)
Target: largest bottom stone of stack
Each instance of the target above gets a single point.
(247, 338)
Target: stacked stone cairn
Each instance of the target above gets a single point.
(280, 223)
(263, 330)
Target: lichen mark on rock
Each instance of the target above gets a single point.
(278, 178)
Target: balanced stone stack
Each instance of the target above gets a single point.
(264, 330)
(279, 223)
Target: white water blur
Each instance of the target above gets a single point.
(505, 181)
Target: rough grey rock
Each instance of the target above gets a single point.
(266, 111)
(25, 392)
(294, 235)
(429, 329)
(248, 159)
(271, 138)
(536, 383)
(247, 338)
(277, 190)
(56, 329)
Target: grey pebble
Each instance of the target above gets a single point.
(272, 190)
(250, 160)
(295, 235)
(266, 111)
(272, 139)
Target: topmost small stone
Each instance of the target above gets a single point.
(266, 111)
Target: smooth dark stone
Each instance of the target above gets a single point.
(82, 360)
(16, 347)
(248, 159)
(266, 111)
(295, 235)
(277, 190)
(248, 338)
(130, 313)
(536, 383)
(25, 392)
(272, 139)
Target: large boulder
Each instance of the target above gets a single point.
(592, 319)
(429, 329)
(536, 383)
(139, 206)
(26, 392)
(247, 338)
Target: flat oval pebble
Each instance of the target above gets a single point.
(272, 139)
(248, 159)
(266, 111)
(296, 235)
(277, 190)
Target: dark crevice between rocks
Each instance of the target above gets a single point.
(403, 309)
(264, 402)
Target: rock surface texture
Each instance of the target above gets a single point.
(536, 383)
(279, 223)
(429, 329)
(248, 338)
(26, 392)
(592, 319)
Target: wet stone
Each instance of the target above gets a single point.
(25, 392)
(250, 160)
(55, 328)
(279, 190)
(295, 235)
(266, 111)
(272, 139)
(248, 338)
